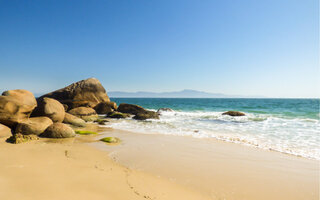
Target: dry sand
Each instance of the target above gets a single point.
(67, 169)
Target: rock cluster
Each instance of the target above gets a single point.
(52, 114)
(23, 117)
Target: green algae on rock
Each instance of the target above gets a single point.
(85, 132)
(110, 140)
(118, 115)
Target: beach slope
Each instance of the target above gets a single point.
(72, 170)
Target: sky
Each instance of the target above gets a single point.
(239, 47)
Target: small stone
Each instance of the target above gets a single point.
(111, 140)
(233, 113)
(19, 138)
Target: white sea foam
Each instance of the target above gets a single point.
(293, 136)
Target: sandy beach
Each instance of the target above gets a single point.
(151, 167)
(218, 169)
(159, 100)
(68, 169)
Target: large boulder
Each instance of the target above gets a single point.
(50, 108)
(234, 113)
(146, 115)
(105, 107)
(85, 93)
(73, 120)
(85, 113)
(33, 126)
(16, 106)
(5, 131)
(58, 130)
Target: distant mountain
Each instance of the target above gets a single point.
(178, 94)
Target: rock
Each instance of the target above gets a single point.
(130, 108)
(86, 132)
(24, 96)
(146, 115)
(164, 110)
(59, 130)
(85, 93)
(73, 120)
(77, 104)
(16, 106)
(139, 112)
(101, 121)
(233, 113)
(104, 108)
(33, 125)
(19, 138)
(110, 140)
(118, 115)
(87, 114)
(5, 131)
(50, 108)
(65, 107)
(113, 105)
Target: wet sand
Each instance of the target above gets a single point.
(218, 169)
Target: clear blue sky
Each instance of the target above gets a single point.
(246, 47)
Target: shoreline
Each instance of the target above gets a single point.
(296, 136)
(217, 168)
(220, 139)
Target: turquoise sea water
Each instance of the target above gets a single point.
(287, 125)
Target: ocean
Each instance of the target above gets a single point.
(289, 126)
